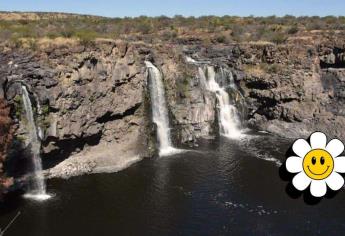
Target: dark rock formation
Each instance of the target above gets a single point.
(288, 93)
(192, 108)
(84, 98)
(6, 132)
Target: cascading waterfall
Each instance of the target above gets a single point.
(202, 78)
(159, 110)
(37, 188)
(229, 121)
(191, 60)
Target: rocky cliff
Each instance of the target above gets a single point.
(93, 108)
(289, 90)
(6, 132)
(90, 103)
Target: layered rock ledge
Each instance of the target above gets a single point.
(92, 103)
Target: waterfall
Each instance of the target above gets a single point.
(159, 110)
(37, 188)
(202, 78)
(229, 121)
(191, 60)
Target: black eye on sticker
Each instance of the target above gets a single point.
(322, 160)
(313, 160)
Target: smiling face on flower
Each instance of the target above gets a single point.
(317, 164)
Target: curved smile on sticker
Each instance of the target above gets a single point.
(318, 174)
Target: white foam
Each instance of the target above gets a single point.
(169, 151)
(190, 60)
(235, 135)
(270, 159)
(37, 197)
(229, 120)
(250, 148)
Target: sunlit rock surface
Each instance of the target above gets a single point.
(96, 108)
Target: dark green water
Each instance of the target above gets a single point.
(222, 188)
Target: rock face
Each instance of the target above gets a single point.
(192, 108)
(293, 95)
(6, 133)
(88, 101)
(332, 55)
(93, 107)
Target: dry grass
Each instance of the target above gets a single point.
(34, 16)
(263, 69)
(261, 43)
(56, 42)
(255, 70)
(208, 29)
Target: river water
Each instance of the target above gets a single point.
(223, 187)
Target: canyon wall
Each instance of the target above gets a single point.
(93, 106)
(90, 104)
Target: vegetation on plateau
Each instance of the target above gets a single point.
(226, 29)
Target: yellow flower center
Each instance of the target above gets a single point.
(318, 164)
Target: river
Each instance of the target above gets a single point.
(223, 187)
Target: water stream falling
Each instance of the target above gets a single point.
(159, 110)
(228, 115)
(37, 188)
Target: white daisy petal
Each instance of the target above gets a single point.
(339, 164)
(318, 140)
(301, 147)
(335, 147)
(318, 188)
(301, 181)
(294, 164)
(335, 181)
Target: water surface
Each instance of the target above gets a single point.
(223, 187)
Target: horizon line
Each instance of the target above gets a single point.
(172, 16)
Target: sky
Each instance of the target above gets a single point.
(122, 8)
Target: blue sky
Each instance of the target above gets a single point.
(121, 8)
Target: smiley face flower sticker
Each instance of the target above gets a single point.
(317, 164)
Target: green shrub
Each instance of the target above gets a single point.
(293, 30)
(32, 44)
(18, 106)
(45, 110)
(169, 35)
(237, 32)
(53, 35)
(221, 39)
(25, 31)
(279, 38)
(67, 33)
(16, 41)
(144, 28)
(86, 37)
(86, 28)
